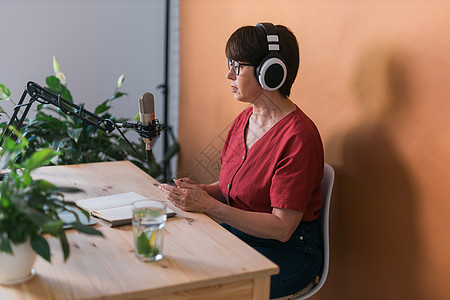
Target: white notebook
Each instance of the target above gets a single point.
(115, 209)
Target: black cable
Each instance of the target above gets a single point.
(129, 143)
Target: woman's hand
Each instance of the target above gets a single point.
(185, 180)
(188, 196)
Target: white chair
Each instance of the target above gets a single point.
(324, 220)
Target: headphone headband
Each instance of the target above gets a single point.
(272, 36)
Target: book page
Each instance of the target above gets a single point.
(115, 213)
(109, 201)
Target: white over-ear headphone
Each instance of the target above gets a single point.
(271, 71)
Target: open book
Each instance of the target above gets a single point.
(115, 209)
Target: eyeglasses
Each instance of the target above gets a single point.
(236, 66)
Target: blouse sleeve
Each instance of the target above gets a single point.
(296, 180)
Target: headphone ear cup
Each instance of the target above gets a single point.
(271, 73)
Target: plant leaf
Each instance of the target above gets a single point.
(4, 91)
(26, 177)
(43, 186)
(75, 133)
(5, 245)
(53, 83)
(39, 158)
(143, 244)
(55, 66)
(64, 244)
(86, 229)
(117, 95)
(53, 227)
(68, 189)
(120, 80)
(102, 107)
(40, 246)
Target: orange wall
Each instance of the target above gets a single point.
(375, 77)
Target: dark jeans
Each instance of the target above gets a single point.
(299, 259)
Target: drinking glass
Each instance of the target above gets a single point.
(149, 219)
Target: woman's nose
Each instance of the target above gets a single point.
(231, 74)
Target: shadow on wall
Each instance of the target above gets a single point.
(375, 242)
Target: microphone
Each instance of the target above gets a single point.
(146, 104)
(148, 128)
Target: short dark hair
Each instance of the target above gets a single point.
(249, 44)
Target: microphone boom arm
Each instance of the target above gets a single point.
(43, 95)
(69, 108)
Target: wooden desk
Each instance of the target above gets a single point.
(201, 259)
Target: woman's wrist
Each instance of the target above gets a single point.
(215, 210)
(214, 191)
(208, 188)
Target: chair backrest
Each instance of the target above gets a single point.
(324, 219)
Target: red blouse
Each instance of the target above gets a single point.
(283, 169)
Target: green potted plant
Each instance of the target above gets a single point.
(30, 210)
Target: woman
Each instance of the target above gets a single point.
(268, 193)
